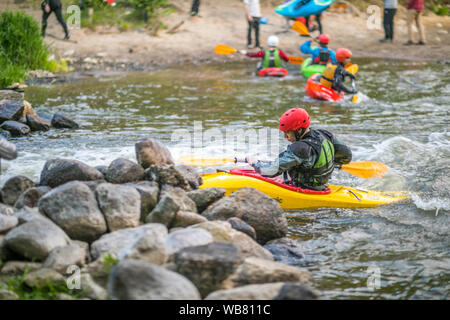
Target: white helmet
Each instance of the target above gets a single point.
(272, 41)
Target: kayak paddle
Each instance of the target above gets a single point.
(295, 60)
(224, 49)
(300, 28)
(362, 169)
(353, 68)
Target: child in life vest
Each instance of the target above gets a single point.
(272, 57)
(322, 54)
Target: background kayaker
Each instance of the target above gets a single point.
(49, 6)
(390, 8)
(321, 54)
(312, 156)
(253, 13)
(272, 57)
(334, 74)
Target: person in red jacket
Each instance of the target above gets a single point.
(415, 9)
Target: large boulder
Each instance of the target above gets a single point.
(59, 171)
(286, 250)
(123, 170)
(74, 208)
(60, 121)
(255, 270)
(27, 214)
(60, 258)
(188, 237)
(31, 197)
(260, 211)
(7, 223)
(35, 239)
(140, 280)
(11, 110)
(14, 187)
(121, 205)
(191, 175)
(11, 95)
(266, 291)
(208, 266)
(150, 246)
(114, 242)
(185, 218)
(42, 277)
(223, 232)
(167, 174)
(152, 151)
(15, 128)
(205, 197)
(149, 191)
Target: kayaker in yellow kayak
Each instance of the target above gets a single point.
(334, 74)
(312, 156)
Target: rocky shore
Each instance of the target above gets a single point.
(144, 230)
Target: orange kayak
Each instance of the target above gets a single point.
(273, 72)
(316, 90)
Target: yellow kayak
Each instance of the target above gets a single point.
(291, 197)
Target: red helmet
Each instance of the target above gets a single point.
(342, 54)
(324, 38)
(294, 119)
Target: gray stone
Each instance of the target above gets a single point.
(14, 187)
(74, 208)
(102, 169)
(150, 246)
(254, 270)
(184, 238)
(61, 258)
(91, 289)
(7, 223)
(13, 268)
(149, 191)
(208, 266)
(11, 95)
(295, 291)
(60, 121)
(191, 175)
(40, 278)
(180, 197)
(286, 251)
(250, 292)
(123, 170)
(152, 152)
(167, 174)
(6, 294)
(6, 209)
(27, 214)
(115, 241)
(185, 218)
(36, 123)
(164, 212)
(260, 211)
(94, 184)
(59, 171)
(16, 128)
(121, 205)
(11, 110)
(242, 226)
(35, 239)
(205, 197)
(140, 280)
(31, 197)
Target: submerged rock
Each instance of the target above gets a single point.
(285, 250)
(37, 124)
(59, 171)
(11, 110)
(60, 121)
(140, 280)
(296, 291)
(17, 129)
(152, 152)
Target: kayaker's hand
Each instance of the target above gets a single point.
(47, 9)
(354, 91)
(351, 76)
(251, 160)
(244, 52)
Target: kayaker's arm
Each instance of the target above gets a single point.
(283, 56)
(285, 161)
(306, 47)
(259, 54)
(342, 153)
(339, 79)
(333, 56)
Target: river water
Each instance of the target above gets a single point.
(401, 251)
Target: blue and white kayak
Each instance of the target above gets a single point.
(312, 7)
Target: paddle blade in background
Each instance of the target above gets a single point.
(295, 60)
(200, 161)
(300, 28)
(353, 68)
(366, 169)
(224, 49)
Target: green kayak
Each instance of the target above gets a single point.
(309, 69)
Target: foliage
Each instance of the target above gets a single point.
(49, 291)
(109, 262)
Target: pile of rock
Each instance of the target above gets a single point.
(18, 118)
(169, 239)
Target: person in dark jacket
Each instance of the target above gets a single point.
(49, 6)
(334, 74)
(310, 159)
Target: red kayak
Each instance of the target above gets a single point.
(273, 72)
(316, 90)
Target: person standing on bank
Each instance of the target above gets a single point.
(390, 8)
(415, 9)
(253, 13)
(194, 8)
(49, 6)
